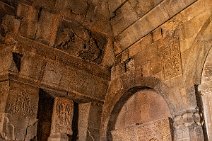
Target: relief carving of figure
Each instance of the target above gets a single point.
(91, 51)
(65, 39)
(63, 112)
(79, 41)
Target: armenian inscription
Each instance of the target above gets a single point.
(171, 57)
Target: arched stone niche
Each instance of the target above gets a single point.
(144, 116)
(127, 86)
(206, 91)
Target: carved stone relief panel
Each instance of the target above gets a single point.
(21, 105)
(170, 55)
(62, 116)
(158, 130)
(79, 41)
(21, 110)
(22, 101)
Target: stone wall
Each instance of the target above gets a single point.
(163, 49)
(206, 91)
(19, 118)
(158, 130)
(94, 55)
(60, 48)
(142, 107)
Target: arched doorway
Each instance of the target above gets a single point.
(206, 91)
(143, 117)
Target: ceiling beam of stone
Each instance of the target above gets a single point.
(133, 19)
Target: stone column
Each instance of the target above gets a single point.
(89, 121)
(187, 127)
(61, 120)
(84, 110)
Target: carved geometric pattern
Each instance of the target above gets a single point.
(171, 57)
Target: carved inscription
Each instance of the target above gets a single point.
(65, 39)
(152, 131)
(63, 115)
(171, 57)
(21, 105)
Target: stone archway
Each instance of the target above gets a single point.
(121, 90)
(143, 116)
(206, 91)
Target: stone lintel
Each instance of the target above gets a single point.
(55, 91)
(45, 51)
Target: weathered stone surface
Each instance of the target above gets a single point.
(68, 68)
(206, 91)
(139, 109)
(61, 119)
(121, 21)
(187, 126)
(150, 131)
(84, 111)
(19, 117)
(143, 7)
(146, 24)
(4, 91)
(6, 9)
(80, 42)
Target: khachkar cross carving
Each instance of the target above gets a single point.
(21, 105)
(62, 116)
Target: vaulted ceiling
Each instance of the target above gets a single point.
(93, 30)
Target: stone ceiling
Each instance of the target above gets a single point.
(80, 28)
(93, 30)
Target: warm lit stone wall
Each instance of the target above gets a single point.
(19, 117)
(59, 48)
(163, 50)
(98, 54)
(143, 117)
(206, 91)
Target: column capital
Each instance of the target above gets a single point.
(188, 118)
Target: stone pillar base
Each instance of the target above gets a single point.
(58, 137)
(187, 127)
